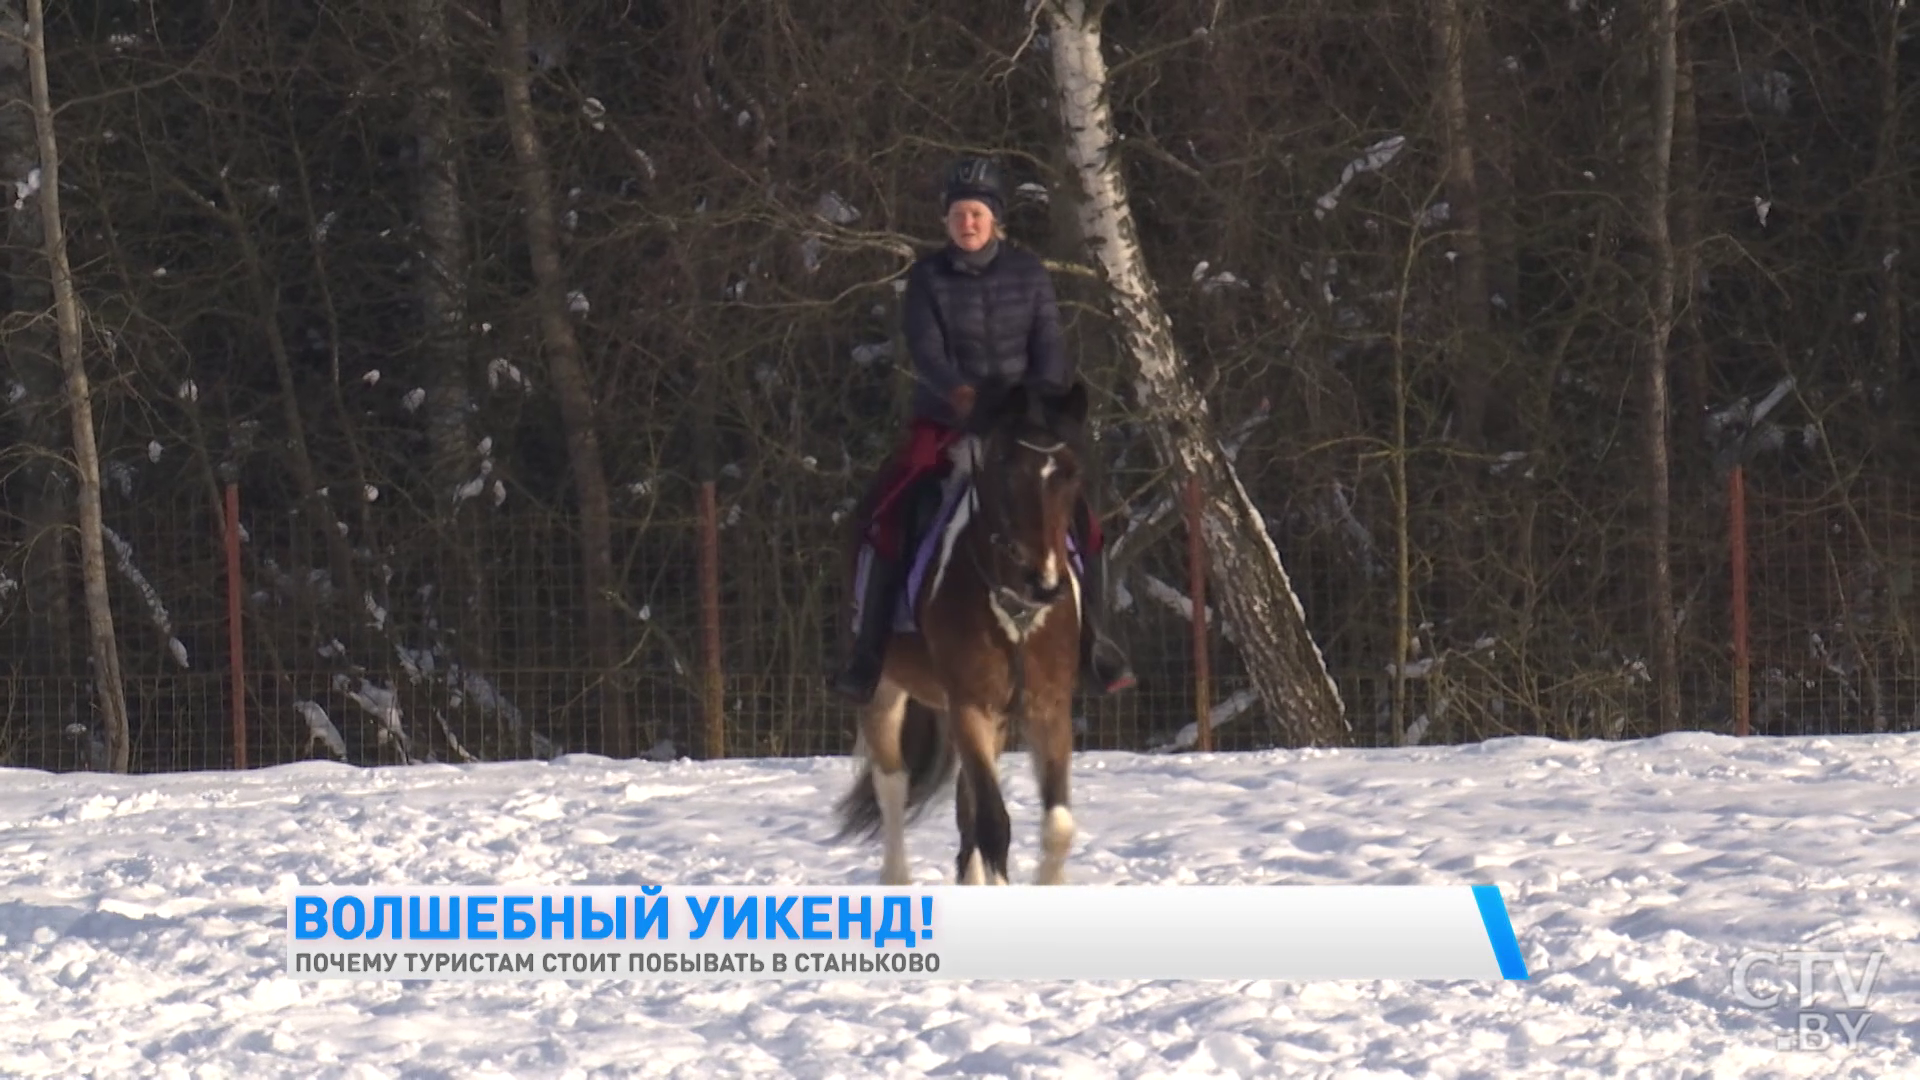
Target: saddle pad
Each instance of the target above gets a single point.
(926, 551)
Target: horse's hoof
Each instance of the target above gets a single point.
(976, 873)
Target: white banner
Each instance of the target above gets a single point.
(938, 932)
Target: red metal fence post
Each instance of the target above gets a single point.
(1737, 528)
(1197, 589)
(714, 683)
(236, 657)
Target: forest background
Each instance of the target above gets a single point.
(1528, 328)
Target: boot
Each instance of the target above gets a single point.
(1104, 668)
(861, 676)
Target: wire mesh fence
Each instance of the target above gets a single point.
(466, 641)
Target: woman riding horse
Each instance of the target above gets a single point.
(977, 310)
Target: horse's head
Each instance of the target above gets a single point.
(1027, 475)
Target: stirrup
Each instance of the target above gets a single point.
(859, 677)
(856, 682)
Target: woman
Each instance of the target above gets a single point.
(976, 310)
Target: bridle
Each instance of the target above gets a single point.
(1017, 612)
(1021, 609)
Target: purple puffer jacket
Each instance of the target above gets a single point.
(966, 326)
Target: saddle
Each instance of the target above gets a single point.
(929, 510)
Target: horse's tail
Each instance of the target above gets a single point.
(928, 754)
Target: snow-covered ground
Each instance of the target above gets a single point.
(142, 918)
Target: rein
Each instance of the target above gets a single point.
(1016, 654)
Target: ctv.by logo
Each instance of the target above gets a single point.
(1816, 1027)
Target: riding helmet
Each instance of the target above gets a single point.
(975, 178)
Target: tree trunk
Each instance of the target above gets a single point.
(93, 563)
(1663, 27)
(1281, 657)
(1697, 389)
(41, 485)
(1469, 347)
(443, 259)
(1887, 200)
(569, 377)
(1497, 104)
(456, 460)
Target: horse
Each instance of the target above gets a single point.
(997, 631)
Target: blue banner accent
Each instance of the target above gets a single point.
(1506, 947)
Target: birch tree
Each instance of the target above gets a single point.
(1255, 590)
(110, 694)
(1663, 31)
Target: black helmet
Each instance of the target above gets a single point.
(975, 178)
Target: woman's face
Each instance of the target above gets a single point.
(969, 224)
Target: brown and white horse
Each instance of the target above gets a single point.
(998, 617)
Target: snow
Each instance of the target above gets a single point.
(142, 930)
(502, 368)
(1377, 157)
(831, 206)
(321, 726)
(156, 609)
(23, 189)
(382, 705)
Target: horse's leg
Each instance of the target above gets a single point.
(977, 732)
(880, 725)
(967, 868)
(1049, 732)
